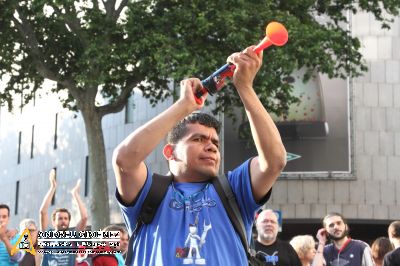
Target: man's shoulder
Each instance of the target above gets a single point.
(359, 243)
(282, 243)
(329, 247)
(279, 249)
(243, 168)
(392, 258)
(393, 255)
(261, 247)
(278, 244)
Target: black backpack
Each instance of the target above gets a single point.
(157, 192)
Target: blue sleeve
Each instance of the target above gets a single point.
(240, 180)
(130, 212)
(14, 240)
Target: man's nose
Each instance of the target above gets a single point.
(211, 147)
(336, 226)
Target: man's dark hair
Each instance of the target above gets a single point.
(180, 129)
(53, 215)
(332, 214)
(5, 206)
(394, 229)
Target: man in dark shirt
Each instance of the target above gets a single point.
(273, 250)
(343, 250)
(393, 257)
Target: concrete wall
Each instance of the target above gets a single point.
(374, 193)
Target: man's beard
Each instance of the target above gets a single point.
(268, 236)
(337, 238)
(63, 227)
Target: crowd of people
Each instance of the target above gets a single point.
(333, 247)
(192, 224)
(105, 255)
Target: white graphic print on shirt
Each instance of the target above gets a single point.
(196, 206)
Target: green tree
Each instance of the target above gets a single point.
(110, 47)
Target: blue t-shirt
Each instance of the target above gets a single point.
(59, 259)
(5, 259)
(191, 226)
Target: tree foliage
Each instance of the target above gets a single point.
(115, 45)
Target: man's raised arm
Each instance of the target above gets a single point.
(81, 225)
(271, 159)
(128, 158)
(43, 212)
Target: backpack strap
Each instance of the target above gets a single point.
(153, 199)
(228, 199)
(158, 188)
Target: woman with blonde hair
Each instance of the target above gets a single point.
(304, 245)
(30, 259)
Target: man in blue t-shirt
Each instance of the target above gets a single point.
(60, 219)
(8, 239)
(191, 226)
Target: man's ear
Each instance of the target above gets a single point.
(168, 152)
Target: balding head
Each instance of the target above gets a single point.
(267, 227)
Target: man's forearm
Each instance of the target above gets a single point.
(47, 199)
(137, 146)
(18, 254)
(7, 244)
(319, 255)
(82, 211)
(45, 207)
(128, 158)
(266, 168)
(266, 136)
